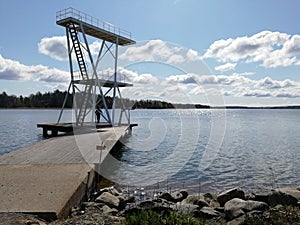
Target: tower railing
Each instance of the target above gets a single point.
(83, 17)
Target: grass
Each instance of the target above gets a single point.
(287, 215)
(150, 217)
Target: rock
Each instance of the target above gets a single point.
(260, 196)
(146, 205)
(167, 196)
(295, 192)
(212, 200)
(184, 194)
(162, 203)
(219, 209)
(92, 204)
(238, 221)
(201, 203)
(283, 196)
(196, 200)
(238, 207)
(114, 191)
(234, 213)
(186, 209)
(178, 196)
(130, 199)
(230, 194)
(108, 199)
(107, 210)
(208, 213)
(191, 199)
(279, 198)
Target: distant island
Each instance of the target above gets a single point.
(55, 100)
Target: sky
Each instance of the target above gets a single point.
(213, 52)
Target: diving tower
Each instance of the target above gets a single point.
(90, 85)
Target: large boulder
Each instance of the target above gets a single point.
(230, 194)
(208, 213)
(199, 200)
(167, 196)
(295, 192)
(279, 198)
(108, 199)
(178, 196)
(237, 207)
(282, 196)
(186, 209)
(174, 197)
(107, 210)
(260, 196)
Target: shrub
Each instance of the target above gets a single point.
(151, 217)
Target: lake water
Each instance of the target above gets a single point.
(207, 150)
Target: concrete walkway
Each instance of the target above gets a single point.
(54, 175)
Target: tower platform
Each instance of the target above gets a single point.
(103, 83)
(94, 27)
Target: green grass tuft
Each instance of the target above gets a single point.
(150, 217)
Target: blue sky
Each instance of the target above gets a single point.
(252, 48)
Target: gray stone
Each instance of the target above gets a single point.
(167, 196)
(146, 205)
(237, 221)
(208, 213)
(186, 209)
(279, 198)
(230, 194)
(184, 194)
(201, 203)
(199, 200)
(92, 204)
(282, 196)
(295, 192)
(238, 207)
(260, 196)
(219, 209)
(191, 199)
(107, 210)
(178, 196)
(108, 199)
(114, 192)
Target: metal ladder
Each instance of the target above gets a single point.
(83, 71)
(78, 52)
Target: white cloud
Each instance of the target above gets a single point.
(145, 79)
(183, 79)
(256, 93)
(268, 93)
(14, 70)
(244, 74)
(272, 49)
(95, 47)
(235, 85)
(269, 83)
(175, 59)
(136, 78)
(234, 80)
(225, 67)
(55, 47)
(192, 55)
(149, 51)
(53, 75)
(158, 50)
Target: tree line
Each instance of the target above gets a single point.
(55, 100)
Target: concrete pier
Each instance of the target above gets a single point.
(56, 174)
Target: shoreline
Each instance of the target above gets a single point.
(231, 206)
(211, 107)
